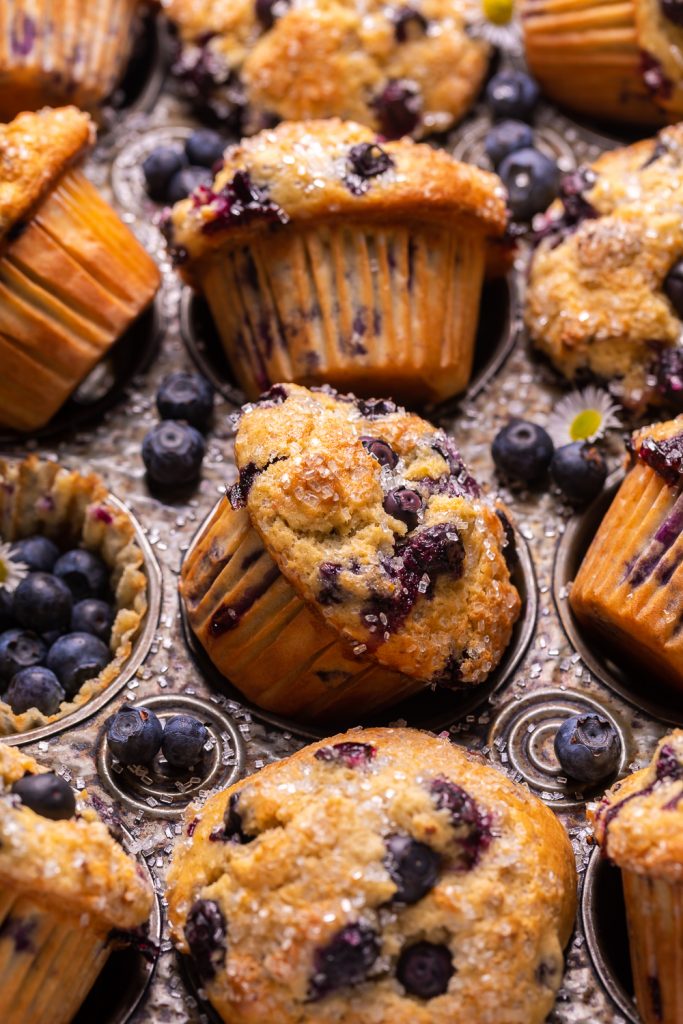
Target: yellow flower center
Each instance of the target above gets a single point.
(585, 425)
(3, 571)
(498, 11)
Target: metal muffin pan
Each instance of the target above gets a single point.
(143, 79)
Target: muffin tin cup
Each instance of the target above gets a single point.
(619, 673)
(140, 649)
(143, 79)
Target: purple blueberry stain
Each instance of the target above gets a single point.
(330, 591)
(239, 492)
(656, 81)
(346, 960)
(668, 767)
(267, 11)
(23, 35)
(20, 931)
(233, 830)
(472, 826)
(229, 616)
(205, 934)
(347, 754)
(656, 997)
(238, 203)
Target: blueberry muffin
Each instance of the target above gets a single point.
(605, 293)
(327, 256)
(629, 588)
(72, 275)
(613, 60)
(70, 51)
(401, 69)
(353, 563)
(72, 514)
(67, 891)
(639, 825)
(381, 875)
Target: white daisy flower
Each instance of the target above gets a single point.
(582, 416)
(494, 21)
(11, 572)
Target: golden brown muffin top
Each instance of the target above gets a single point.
(639, 822)
(73, 866)
(285, 861)
(329, 170)
(371, 515)
(35, 149)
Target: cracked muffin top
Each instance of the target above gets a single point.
(605, 295)
(371, 515)
(380, 875)
(399, 68)
(639, 821)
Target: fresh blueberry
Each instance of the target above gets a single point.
(173, 453)
(512, 94)
(38, 553)
(522, 451)
(75, 658)
(19, 649)
(84, 573)
(668, 368)
(345, 960)
(186, 396)
(579, 470)
(368, 160)
(206, 937)
(673, 282)
(588, 747)
(159, 168)
(134, 735)
(6, 614)
(204, 148)
(34, 687)
(404, 505)
(183, 741)
(425, 969)
(42, 602)
(186, 181)
(234, 825)
(672, 11)
(506, 138)
(350, 755)
(413, 866)
(93, 616)
(380, 450)
(47, 794)
(532, 181)
(398, 108)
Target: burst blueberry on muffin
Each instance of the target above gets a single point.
(382, 875)
(605, 294)
(613, 60)
(65, 888)
(639, 825)
(327, 256)
(402, 69)
(629, 589)
(354, 563)
(67, 52)
(72, 275)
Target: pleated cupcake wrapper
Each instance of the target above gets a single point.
(378, 309)
(586, 55)
(630, 585)
(266, 640)
(48, 964)
(654, 909)
(74, 52)
(71, 283)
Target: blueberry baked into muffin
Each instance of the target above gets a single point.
(629, 588)
(72, 275)
(353, 563)
(605, 292)
(639, 825)
(381, 875)
(70, 51)
(401, 69)
(78, 597)
(327, 256)
(612, 60)
(67, 892)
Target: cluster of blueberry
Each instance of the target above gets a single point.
(172, 172)
(531, 178)
(56, 625)
(136, 735)
(173, 450)
(524, 451)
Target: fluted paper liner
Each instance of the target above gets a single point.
(654, 910)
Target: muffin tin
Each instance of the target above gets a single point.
(550, 670)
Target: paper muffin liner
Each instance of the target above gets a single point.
(375, 309)
(654, 910)
(266, 640)
(75, 53)
(48, 963)
(629, 587)
(586, 56)
(72, 508)
(72, 280)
